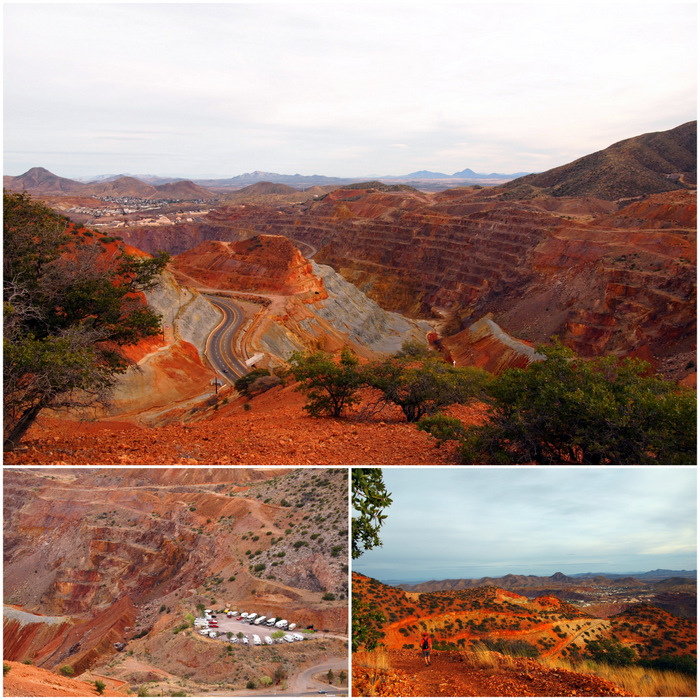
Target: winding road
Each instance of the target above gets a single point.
(220, 341)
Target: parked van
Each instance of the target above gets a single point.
(298, 637)
(288, 638)
(256, 640)
(271, 621)
(268, 640)
(292, 627)
(244, 640)
(213, 634)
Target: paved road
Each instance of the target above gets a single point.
(220, 341)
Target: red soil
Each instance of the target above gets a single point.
(451, 675)
(274, 431)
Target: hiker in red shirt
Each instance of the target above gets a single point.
(426, 645)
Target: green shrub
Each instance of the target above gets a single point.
(250, 685)
(328, 596)
(67, 670)
(568, 410)
(100, 687)
(330, 386)
(6, 668)
(243, 383)
(442, 427)
(424, 387)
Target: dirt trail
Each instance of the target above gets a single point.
(451, 675)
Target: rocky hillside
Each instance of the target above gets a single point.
(545, 626)
(643, 165)
(41, 182)
(263, 263)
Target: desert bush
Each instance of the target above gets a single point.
(328, 596)
(67, 670)
(250, 685)
(6, 668)
(567, 410)
(424, 387)
(100, 687)
(442, 427)
(330, 387)
(243, 383)
(265, 681)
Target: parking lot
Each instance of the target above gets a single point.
(231, 624)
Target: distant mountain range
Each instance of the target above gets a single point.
(515, 581)
(646, 164)
(41, 181)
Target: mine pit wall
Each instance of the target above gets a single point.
(177, 371)
(346, 317)
(23, 633)
(195, 318)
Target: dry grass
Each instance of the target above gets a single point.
(375, 662)
(643, 682)
(482, 658)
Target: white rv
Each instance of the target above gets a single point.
(268, 640)
(213, 634)
(288, 638)
(260, 620)
(292, 627)
(281, 624)
(256, 640)
(298, 637)
(271, 621)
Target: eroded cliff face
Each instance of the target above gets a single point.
(605, 276)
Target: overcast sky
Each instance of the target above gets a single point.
(338, 88)
(474, 522)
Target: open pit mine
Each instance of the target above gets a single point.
(600, 253)
(113, 575)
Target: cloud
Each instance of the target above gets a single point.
(448, 522)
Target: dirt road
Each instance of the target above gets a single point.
(450, 676)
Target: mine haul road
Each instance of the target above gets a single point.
(220, 342)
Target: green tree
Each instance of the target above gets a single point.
(566, 409)
(369, 499)
(68, 307)
(100, 687)
(330, 386)
(423, 387)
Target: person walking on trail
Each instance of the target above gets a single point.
(426, 645)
